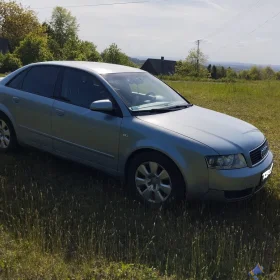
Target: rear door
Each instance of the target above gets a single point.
(78, 132)
(33, 100)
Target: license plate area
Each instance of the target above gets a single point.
(266, 174)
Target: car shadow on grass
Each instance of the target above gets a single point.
(84, 213)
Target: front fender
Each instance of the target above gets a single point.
(187, 154)
(144, 144)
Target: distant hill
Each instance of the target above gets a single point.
(239, 66)
(137, 61)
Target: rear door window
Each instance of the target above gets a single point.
(41, 80)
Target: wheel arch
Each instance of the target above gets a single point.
(146, 150)
(8, 115)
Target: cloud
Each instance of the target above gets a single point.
(170, 27)
(258, 40)
(204, 4)
(214, 5)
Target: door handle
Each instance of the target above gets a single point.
(60, 113)
(16, 99)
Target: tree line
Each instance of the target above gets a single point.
(56, 39)
(194, 66)
(254, 73)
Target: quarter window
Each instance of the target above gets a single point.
(41, 80)
(16, 82)
(81, 88)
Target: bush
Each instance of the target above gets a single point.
(10, 63)
(34, 48)
(80, 51)
(113, 54)
(2, 56)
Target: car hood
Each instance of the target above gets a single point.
(221, 132)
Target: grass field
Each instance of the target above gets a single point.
(61, 220)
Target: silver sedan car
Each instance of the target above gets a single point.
(128, 123)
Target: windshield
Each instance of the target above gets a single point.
(142, 91)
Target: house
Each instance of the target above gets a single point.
(4, 46)
(159, 66)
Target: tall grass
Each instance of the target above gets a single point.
(67, 221)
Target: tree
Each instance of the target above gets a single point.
(244, 74)
(80, 50)
(223, 72)
(268, 73)
(231, 74)
(63, 26)
(194, 56)
(71, 50)
(90, 51)
(55, 49)
(188, 67)
(48, 29)
(214, 72)
(2, 56)
(16, 22)
(113, 54)
(184, 68)
(53, 45)
(255, 73)
(277, 75)
(209, 68)
(33, 48)
(10, 63)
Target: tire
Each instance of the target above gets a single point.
(165, 188)
(8, 139)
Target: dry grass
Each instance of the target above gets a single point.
(61, 220)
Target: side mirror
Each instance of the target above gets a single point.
(102, 106)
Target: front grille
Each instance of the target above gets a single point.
(258, 154)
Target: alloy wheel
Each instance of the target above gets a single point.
(5, 135)
(153, 182)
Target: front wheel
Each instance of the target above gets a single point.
(155, 179)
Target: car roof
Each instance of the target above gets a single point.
(97, 67)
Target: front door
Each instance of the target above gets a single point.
(82, 134)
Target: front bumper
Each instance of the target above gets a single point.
(237, 184)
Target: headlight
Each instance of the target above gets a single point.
(226, 162)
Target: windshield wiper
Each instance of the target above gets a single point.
(165, 109)
(180, 106)
(159, 110)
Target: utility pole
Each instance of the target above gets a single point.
(198, 53)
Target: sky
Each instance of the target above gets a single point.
(231, 30)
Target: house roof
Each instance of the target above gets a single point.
(158, 66)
